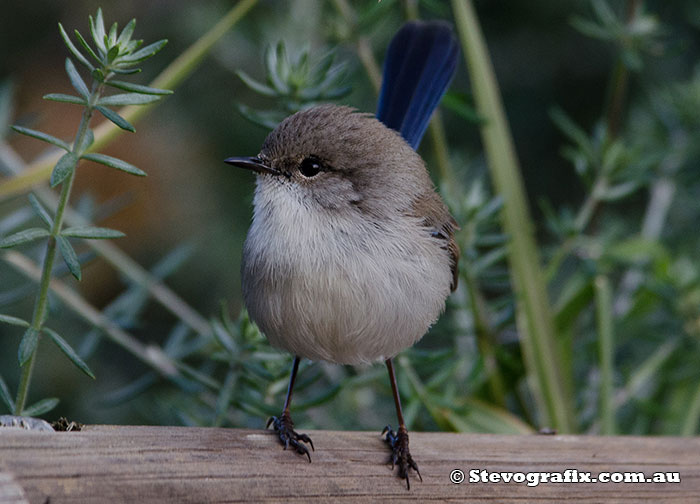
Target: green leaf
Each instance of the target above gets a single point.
(92, 233)
(113, 53)
(88, 140)
(635, 250)
(63, 168)
(126, 71)
(621, 190)
(128, 99)
(138, 88)
(483, 417)
(125, 35)
(271, 63)
(97, 28)
(266, 118)
(75, 79)
(41, 407)
(69, 256)
(98, 75)
(74, 50)
(40, 210)
(116, 118)
(28, 345)
(256, 86)
(223, 337)
(26, 236)
(115, 163)
(6, 396)
(45, 137)
(87, 47)
(226, 393)
(144, 53)
(112, 37)
(64, 98)
(7, 319)
(462, 104)
(68, 350)
(573, 131)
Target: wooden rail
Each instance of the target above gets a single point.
(106, 464)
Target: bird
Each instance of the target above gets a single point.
(351, 253)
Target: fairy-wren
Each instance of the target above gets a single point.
(351, 253)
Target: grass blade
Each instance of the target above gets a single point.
(536, 322)
(604, 322)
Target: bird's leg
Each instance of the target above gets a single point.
(398, 441)
(284, 426)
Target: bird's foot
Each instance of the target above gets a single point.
(400, 455)
(284, 427)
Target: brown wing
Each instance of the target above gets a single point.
(441, 224)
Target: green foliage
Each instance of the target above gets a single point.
(295, 83)
(115, 54)
(620, 277)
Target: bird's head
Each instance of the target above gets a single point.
(335, 158)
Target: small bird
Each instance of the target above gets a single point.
(351, 253)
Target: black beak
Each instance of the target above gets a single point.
(251, 163)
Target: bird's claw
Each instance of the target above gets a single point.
(284, 427)
(400, 455)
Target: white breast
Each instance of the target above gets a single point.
(335, 287)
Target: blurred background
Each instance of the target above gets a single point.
(556, 64)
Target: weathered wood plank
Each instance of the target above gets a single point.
(177, 464)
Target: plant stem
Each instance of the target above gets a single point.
(604, 318)
(692, 419)
(151, 355)
(620, 81)
(485, 338)
(41, 303)
(535, 319)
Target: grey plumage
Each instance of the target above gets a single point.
(352, 264)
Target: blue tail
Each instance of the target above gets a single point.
(420, 63)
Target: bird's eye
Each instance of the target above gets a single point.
(310, 167)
